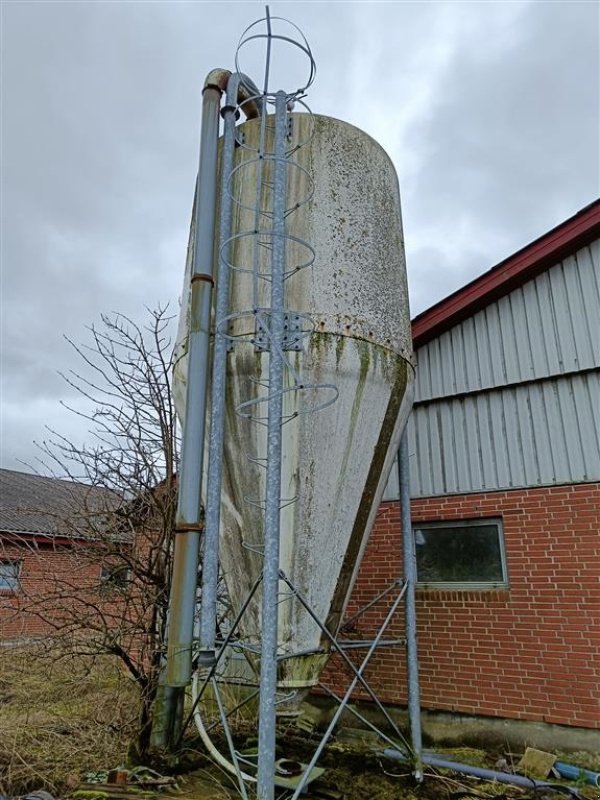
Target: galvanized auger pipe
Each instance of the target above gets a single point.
(189, 520)
(190, 523)
(239, 88)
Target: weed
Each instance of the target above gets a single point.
(60, 717)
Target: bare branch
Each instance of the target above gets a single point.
(108, 573)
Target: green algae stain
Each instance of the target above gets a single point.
(339, 350)
(365, 360)
(319, 344)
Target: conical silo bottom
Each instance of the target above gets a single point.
(335, 464)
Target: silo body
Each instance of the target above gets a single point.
(335, 460)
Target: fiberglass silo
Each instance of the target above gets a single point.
(342, 201)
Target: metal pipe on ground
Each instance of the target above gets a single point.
(477, 772)
(573, 773)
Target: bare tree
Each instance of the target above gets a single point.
(108, 591)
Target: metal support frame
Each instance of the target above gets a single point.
(271, 343)
(238, 765)
(410, 576)
(358, 677)
(345, 658)
(210, 561)
(270, 587)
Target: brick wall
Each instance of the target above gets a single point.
(46, 572)
(531, 651)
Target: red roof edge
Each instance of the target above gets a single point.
(525, 264)
(47, 539)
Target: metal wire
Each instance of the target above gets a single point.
(268, 37)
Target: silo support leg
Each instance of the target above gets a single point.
(410, 576)
(358, 678)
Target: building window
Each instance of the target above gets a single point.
(465, 554)
(114, 577)
(10, 572)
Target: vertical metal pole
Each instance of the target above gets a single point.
(189, 523)
(270, 584)
(210, 560)
(410, 577)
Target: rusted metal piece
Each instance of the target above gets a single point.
(248, 97)
(217, 79)
(117, 776)
(200, 276)
(190, 526)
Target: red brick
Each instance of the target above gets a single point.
(507, 653)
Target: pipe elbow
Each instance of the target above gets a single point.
(217, 79)
(249, 97)
(243, 92)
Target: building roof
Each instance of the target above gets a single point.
(43, 506)
(525, 264)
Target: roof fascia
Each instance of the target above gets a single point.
(43, 538)
(524, 265)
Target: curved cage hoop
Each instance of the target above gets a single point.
(329, 391)
(264, 239)
(251, 165)
(252, 34)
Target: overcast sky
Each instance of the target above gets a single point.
(489, 111)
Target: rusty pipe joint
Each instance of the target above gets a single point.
(245, 90)
(217, 79)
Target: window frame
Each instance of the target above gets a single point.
(16, 588)
(114, 578)
(464, 585)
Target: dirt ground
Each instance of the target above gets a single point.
(350, 774)
(377, 781)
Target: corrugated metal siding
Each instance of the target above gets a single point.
(549, 326)
(510, 397)
(536, 434)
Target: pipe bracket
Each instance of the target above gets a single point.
(190, 527)
(203, 277)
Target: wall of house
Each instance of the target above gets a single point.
(509, 396)
(530, 651)
(50, 575)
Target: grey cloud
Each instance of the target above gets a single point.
(494, 134)
(101, 109)
(510, 144)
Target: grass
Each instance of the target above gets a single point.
(60, 717)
